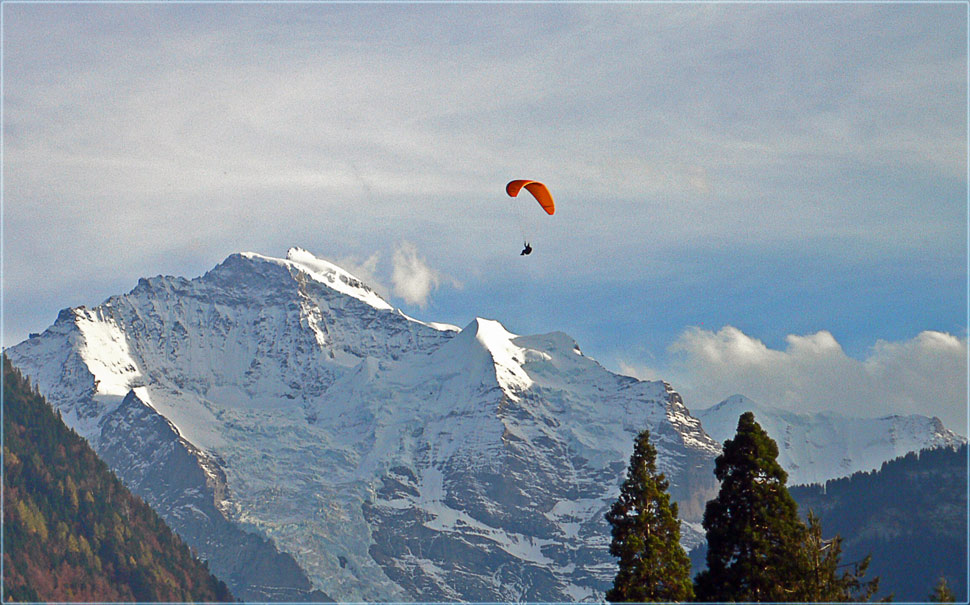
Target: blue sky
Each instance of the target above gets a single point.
(733, 180)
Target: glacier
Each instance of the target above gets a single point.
(313, 442)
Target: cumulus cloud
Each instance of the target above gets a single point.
(413, 279)
(924, 375)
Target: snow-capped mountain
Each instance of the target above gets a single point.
(310, 440)
(814, 448)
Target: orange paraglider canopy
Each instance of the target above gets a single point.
(538, 191)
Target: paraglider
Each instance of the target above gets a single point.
(538, 191)
(541, 194)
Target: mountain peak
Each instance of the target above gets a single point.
(290, 390)
(490, 332)
(327, 273)
(485, 346)
(737, 404)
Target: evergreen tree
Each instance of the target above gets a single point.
(821, 579)
(754, 536)
(942, 592)
(646, 535)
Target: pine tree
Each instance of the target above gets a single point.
(821, 581)
(942, 592)
(646, 535)
(754, 535)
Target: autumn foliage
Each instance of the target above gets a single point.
(72, 531)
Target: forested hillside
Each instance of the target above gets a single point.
(72, 531)
(911, 516)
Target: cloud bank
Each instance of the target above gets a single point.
(924, 375)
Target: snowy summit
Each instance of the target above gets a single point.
(378, 453)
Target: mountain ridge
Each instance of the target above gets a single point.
(364, 453)
(314, 413)
(817, 447)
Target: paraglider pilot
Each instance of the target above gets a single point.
(540, 192)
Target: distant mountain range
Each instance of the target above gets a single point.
(310, 440)
(814, 448)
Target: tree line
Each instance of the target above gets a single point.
(759, 549)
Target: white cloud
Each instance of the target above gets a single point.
(413, 279)
(924, 375)
(150, 138)
(366, 271)
(641, 371)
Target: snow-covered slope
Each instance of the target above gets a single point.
(387, 459)
(814, 448)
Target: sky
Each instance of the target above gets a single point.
(765, 199)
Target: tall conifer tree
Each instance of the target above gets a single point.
(754, 536)
(646, 535)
